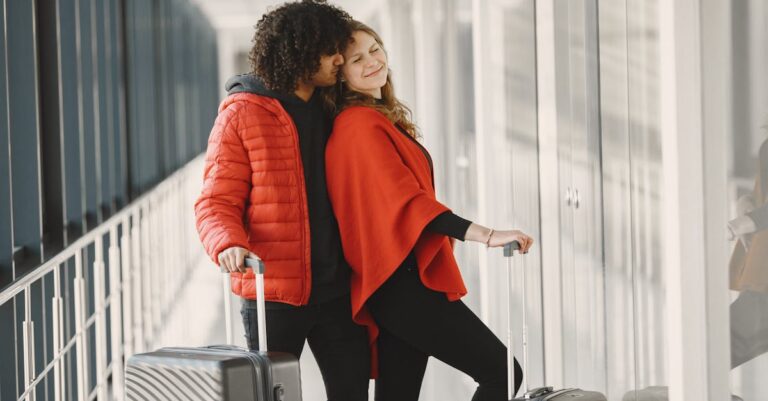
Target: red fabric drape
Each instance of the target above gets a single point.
(380, 185)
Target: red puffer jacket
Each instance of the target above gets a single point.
(254, 196)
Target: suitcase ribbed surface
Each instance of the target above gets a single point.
(171, 374)
(149, 382)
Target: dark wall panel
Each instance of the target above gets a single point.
(6, 235)
(117, 29)
(71, 135)
(24, 133)
(103, 60)
(50, 128)
(89, 112)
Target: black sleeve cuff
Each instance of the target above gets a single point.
(449, 224)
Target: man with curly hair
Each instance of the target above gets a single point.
(264, 194)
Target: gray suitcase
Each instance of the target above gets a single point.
(656, 393)
(540, 393)
(216, 373)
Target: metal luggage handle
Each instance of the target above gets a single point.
(509, 251)
(510, 248)
(258, 267)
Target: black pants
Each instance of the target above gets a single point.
(339, 345)
(749, 327)
(417, 323)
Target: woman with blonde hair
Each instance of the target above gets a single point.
(398, 239)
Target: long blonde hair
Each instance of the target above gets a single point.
(342, 97)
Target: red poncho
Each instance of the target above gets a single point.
(380, 185)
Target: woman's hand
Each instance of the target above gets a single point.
(501, 238)
(494, 238)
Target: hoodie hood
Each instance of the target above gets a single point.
(250, 83)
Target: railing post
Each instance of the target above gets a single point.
(57, 308)
(178, 266)
(146, 275)
(166, 261)
(156, 274)
(100, 322)
(138, 331)
(116, 318)
(28, 331)
(127, 288)
(80, 332)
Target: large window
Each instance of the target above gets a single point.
(82, 134)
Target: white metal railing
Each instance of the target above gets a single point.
(153, 246)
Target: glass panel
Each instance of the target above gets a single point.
(631, 151)
(24, 134)
(6, 238)
(510, 161)
(70, 121)
(580, 183)
(116, 49)
(101, 21)
(645, 188)
(449, 135)
(748, 199)
(617, 206)
(50, 128)
(89, 107)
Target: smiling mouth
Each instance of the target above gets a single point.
(375, 72)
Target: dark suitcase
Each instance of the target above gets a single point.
(216, 373)
(540, 393)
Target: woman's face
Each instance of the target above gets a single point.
(365, 65)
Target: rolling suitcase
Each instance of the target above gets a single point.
(540, 393)
(216, 373)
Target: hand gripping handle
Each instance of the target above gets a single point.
(257, 265)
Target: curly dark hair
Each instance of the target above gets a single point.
(290, 40)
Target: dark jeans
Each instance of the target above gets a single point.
(339, 345)
(417, 323)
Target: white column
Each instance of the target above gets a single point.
(686, 254)
(550, 196)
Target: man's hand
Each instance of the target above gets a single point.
(232, 259)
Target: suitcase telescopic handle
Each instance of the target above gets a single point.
(258, 269)
(509, 251)
(257, 265)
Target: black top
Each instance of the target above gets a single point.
(449, 224)
(330, 271)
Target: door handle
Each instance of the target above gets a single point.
(576, 200)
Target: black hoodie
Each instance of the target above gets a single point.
(330, 272)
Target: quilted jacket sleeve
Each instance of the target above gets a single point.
(226, 185)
